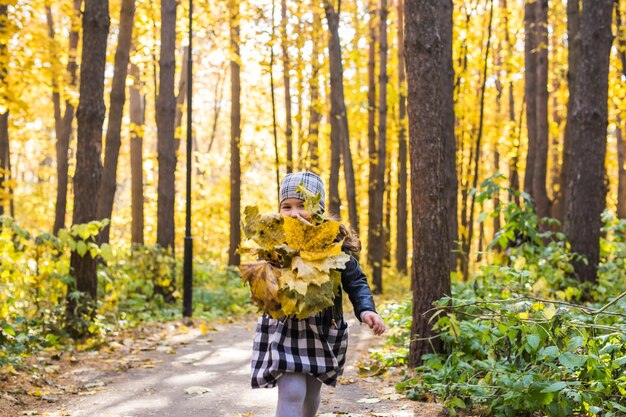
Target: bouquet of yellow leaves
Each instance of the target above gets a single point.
(298, 271)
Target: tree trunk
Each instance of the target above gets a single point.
(235, 135)
(315, 115)
(470, 222)
(181, 98)
(540, 167)
(373, 218)
(56, 95)
(448, 128)
(137, 103)
(106, 195)
(401, 203)
(431, 270)
(621, 184)
(5, 173)
(586, 188)
(287, 84)
(573, 54)
(339, 120)
(165, 117)
(387, 211)
(530, 91)
(63, 141)
(90, 116)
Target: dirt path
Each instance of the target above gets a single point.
(195, 374)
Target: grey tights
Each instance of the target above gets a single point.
(298, 395)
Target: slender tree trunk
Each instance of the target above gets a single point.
(181, 98)
(621, 160)
(586, 188)
(65, 132)
(530, 91)
(166, 115)
(540, 193)
(401, 204)
(470, 222)
(374, 222)
(339, 118)
(106, 195)
(287, 84)
(235, 135)
(5, 173)
(431, 270)
(387, 211)
(447, 86)
(219, 88)
(137, 102)
(315, 115)
(56, 95)
(90, 116)
(4, 117)
(573, 54)
(621, 152)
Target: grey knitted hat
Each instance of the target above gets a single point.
(312, 182)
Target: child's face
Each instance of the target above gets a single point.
(293, 206)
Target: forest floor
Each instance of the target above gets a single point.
(171, 370)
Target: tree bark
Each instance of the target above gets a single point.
(586, 188)
(137, 103)
(470, 222)
(339, 120)
(619, 137)
(573, 54)
(621, 172)
(315, 115)
(106, 195)
(90, 117)
(235, 135)
(540, 167)
(431, 269)
(530, 92)
(165, 117)
(4, 117)
(447, 88)
(401, 203)
(181, 98)
(63, 140)
(373, 217)
(287, 85)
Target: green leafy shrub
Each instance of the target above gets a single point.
(517, 342)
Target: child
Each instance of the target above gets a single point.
(299, 355)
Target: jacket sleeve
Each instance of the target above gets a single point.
(354, 282)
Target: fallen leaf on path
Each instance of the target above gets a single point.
(197, 390)
(372, 400)
(345, 381)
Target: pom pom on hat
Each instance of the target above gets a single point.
(312, 182)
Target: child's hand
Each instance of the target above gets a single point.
(374, 321)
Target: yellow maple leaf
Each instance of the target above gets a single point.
(300, 236)
(266, 230)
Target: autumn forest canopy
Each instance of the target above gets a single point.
(475, 146)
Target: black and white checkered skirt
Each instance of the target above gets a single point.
(298, 345)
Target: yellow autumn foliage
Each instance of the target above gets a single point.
(299, 275)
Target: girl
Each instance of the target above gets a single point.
(299, 355)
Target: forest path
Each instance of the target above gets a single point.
(195, 374)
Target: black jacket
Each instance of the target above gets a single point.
(354, 283)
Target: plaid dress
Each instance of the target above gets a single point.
(307, 346)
